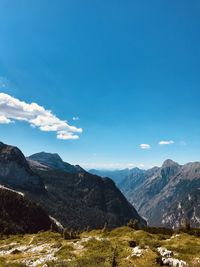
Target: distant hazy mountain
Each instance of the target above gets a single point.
(166, 195)
(71, 195)
(116, 175)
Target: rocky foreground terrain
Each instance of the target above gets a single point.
(121, 247)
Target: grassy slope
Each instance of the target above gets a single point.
(100, 249)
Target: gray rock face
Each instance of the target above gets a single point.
(54, 161)
(15, 171)
(167, 195)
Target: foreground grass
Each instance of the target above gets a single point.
(96, 248)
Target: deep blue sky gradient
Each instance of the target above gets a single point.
(129, 69)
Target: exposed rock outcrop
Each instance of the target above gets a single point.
(15, 171)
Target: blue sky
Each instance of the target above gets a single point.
(129, 70)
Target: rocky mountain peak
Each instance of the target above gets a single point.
(15, 170)
(169, 163)
(12, 154)
(169, 169)
(45, 157)
(54, 161)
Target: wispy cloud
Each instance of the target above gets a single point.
(166, 142)
(13, 109)
(145, 146)
(75, 118)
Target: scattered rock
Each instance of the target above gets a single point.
(174, 262)
(164, 252)
(136, 252)
(41, 260)
(31, 253)
(166, 259)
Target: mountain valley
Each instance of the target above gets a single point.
(165, 196)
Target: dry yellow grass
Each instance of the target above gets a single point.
(98, 249)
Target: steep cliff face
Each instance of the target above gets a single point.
(15, 171)
(73, 196)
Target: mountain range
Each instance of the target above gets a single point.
(166, 195)
(44, 184)
(72, 196)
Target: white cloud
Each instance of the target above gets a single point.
(75, 118)
(165, 142)
(12, 109)
(4, 120)
(145, 146)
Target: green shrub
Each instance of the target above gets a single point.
(133, 223)
(158, 230)
(69, 234)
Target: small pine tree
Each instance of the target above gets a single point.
(66, 234)
(70, 234)
(133, 223)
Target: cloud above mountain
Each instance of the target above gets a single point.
(13, 109)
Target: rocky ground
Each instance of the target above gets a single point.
(122, 247)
